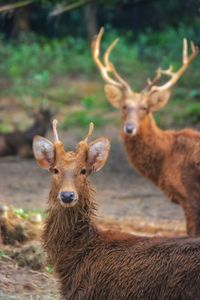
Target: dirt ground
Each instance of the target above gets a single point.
(24, 283)
(126, 201)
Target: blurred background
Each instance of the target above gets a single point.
(47, 70)
(46, 59)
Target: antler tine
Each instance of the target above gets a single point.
(150, 82)
(185, 51)
(195, 50)
(168, 72)
(95, 53)
(96, 47)
(176, 75)
(108, 64)
(110, 67)
(55, 133)
(90, 131)
(193, 47)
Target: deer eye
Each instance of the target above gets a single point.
(83, 171)
(198, 164)
(144, 107)
(54, 171)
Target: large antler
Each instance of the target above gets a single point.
(175, 75)
(107, 67)
(151, 83)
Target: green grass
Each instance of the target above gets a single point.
(27, 214)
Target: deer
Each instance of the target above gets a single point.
(169, 158)
(92, 263)
(19, 143)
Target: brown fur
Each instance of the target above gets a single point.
(170, 159)
(94, 264)
(20, 142)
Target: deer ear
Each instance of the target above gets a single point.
(98, 154)
(158, 99)
(43, 151)
(113, 94)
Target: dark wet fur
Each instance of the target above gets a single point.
(94, 264)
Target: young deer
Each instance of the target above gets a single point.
(95, 264)
(170, 159)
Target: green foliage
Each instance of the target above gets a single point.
(27, 214)
(82, 119)
(33, 65)
(179, 113)
(191, 112)
(164, 48)
(92, 111)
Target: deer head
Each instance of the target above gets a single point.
(136, 106)
(69, 170)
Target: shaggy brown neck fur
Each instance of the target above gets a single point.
(147, 150)
(68, 228)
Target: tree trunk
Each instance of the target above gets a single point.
(20, 22)
(90, 16)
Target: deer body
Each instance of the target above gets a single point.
(92, 264)
(170, 159)
(95, 264)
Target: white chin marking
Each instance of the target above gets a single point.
(134, 132)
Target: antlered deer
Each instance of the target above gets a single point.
(170, 159)
(95, 264)
(20, 142)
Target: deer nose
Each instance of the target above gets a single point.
(67, 197)
(130, 128)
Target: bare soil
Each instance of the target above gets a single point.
(23, 283)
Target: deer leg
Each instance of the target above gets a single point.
(192, 215)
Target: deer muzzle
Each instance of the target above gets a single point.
(130, 128)
(68, 198)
